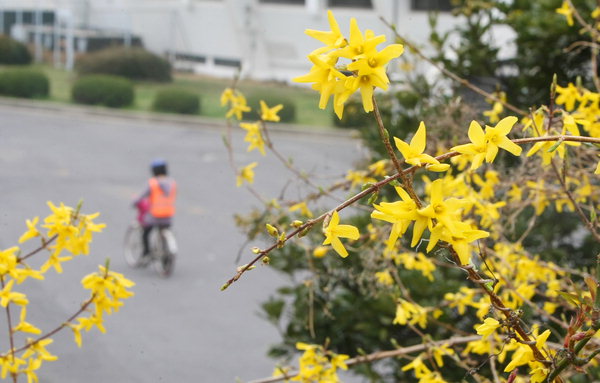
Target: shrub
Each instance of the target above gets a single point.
(287, 114)
(132, 63)
(354, 116)
(13, 52)
(25, 83)
(112, 91)
(176, 101)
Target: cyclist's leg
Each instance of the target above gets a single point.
(146, 240)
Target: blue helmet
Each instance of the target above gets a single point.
(159, 167)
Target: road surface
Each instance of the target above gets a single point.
(182, 329)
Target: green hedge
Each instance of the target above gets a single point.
(287, 114)
(174, 100)
(354, 115)
(131, 63)
(13, 52)
(25, 83)
(111, 91)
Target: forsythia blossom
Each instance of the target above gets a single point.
(318, 365)
(334, 231)
(365, 71)
(485, 145)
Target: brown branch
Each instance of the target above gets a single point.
(406, 182)
(309, 224)
(10, 329)
(45, 244)
(382, 355)
(581, 21)
(84, 307)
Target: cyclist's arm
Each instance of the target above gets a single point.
(142, 196)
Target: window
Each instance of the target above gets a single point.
(9, 18)
(351, 3)
(235, 63)
(431, 5)
(290, 2)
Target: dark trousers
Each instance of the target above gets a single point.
(146, 236)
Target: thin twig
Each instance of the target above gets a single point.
(45, 244)
(406, 182)
(84, 307)
(309, 224)
(452, 75)
(11, 337)
(382, 355)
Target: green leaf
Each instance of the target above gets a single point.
(569, 297)
(555, 146)
(273, 308)
(373, 198)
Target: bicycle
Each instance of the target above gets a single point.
(163, 248)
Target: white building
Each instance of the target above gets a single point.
(263, 37)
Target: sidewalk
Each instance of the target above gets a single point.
(199, 121)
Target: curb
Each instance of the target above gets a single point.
(196, 121)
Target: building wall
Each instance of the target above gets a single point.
(266, 38)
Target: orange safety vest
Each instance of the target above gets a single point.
(161, 204)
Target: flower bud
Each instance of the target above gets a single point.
(297, 223)
(272, 230)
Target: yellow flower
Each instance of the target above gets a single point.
(254, 137)
(384, 277)
(515, 194)
(497, 108)
(566, 11)
(8, 260)
(332, 39)
(237, 103)
(335, 231)
(32, 230)
(227, 96)
(359, 177)
(538, 373)
(304, 210)
(366, 64)
(419, 367)
(440, 351)
(477, 148)
(446, 212)
(496, 138)
(320, 251)
(246, 174)
(567, 96)
(39, 350)
(24, 326)
(379, 168)
(488, 327)
(327, 80)
(407, 312)
(413, 152)
(8, 296)
(269, 114)
(76, 333)
(400, 214)
(486, 144)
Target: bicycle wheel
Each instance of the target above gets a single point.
(132, 247)
(166, 251)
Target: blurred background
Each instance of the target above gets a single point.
(92, 90)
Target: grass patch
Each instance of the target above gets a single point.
(208, 88)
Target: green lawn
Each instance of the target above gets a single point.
(209, 89)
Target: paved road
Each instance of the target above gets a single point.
(178, 330)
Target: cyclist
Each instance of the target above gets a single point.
(158, 201)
